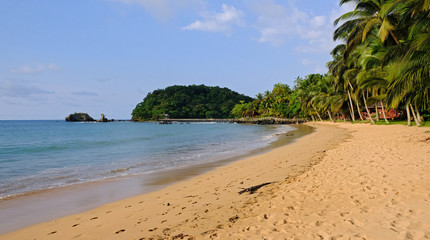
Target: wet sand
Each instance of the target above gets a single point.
(343, 181)
(47, 205)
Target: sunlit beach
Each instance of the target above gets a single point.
(196, 119)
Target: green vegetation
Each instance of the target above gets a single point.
(188, 102)
(280, 102)
(79, 117)
(379, 71)
(382, 61)
(384, 57)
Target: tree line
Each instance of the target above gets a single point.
(194, 101)
(382, 60)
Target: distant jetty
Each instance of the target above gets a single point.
(84, 117)
(260, 121)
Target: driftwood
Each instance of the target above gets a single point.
(253, 189)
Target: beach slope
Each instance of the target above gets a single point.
(343, 181)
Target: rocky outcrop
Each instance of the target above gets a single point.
(84, 117)
(104, 119)
(79, 117)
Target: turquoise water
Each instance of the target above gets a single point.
(38, 155)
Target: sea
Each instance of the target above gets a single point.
(42, 155)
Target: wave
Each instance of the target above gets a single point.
(79, 153)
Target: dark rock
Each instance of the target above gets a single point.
(79, 117)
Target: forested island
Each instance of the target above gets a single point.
(194, 101)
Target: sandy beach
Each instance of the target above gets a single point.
(343, 181)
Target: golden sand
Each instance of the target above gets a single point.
(344, 181)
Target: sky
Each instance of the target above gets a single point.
(104, 56)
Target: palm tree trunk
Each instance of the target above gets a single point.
(313, 119)
(383, 113)
(408, 114)
(352, 107)
(415, 116)
(329, 114)
(377, 111)
(418, 114)
(367, 109)
(394, 37)
(317, 113)
(359, 111)
(349, 109)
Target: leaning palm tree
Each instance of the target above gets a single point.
(306, 90)
(385, 55)
(367, 17)
(338, 67)
(374, 74)
(322, 92)
(410, 82)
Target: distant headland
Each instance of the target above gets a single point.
(194, 101)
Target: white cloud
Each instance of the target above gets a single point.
(279, 23)
(276, 22)
(219, 22)
(34, 69)
(319, 21)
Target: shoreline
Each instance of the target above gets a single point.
(342, 181)
(45, 205)
(244, 173)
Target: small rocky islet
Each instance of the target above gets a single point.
(84, 117)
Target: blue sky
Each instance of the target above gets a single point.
(104, 56)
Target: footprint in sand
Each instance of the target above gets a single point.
(233, 219)
(75, 225)
(344, 214)
(355, 222)
(120, 231)
(54, 232)
(94, 218)
(365, 209)
(208, 232)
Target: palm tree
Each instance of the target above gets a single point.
(305, 89)
(410, 82)
(390, 22)
(384, 57)
(369, 15)
(373, 74)
(337, 68)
